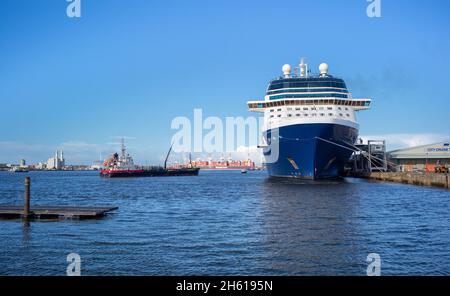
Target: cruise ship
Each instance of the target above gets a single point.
(310, 125)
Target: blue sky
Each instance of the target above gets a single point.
(127, 68)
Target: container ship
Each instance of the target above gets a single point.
(310, 123)
(123, 166)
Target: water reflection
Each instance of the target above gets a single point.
(26, 231)
(308, 226)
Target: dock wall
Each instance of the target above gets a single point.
(422, 179)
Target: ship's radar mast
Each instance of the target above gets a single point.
(303, 68)
(123, 149)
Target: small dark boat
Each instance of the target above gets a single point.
(19, 170)
(123, 166)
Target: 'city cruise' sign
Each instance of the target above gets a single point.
(444, 148)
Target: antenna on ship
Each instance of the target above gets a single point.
(123, 148)
(303, 68)
(167, 157)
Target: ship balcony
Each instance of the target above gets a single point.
(355, 104)
(256, 106)
(361, 104)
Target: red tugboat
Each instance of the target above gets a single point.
(123, 166)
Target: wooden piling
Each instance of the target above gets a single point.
(50, 211)
(26, 205)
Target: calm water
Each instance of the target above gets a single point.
(226, 223)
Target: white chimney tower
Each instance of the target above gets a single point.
(303, 68)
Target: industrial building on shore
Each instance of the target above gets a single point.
(421, 158)
(56, 162)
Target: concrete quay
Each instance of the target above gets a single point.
(416, 178)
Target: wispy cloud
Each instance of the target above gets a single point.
(245, 152)
(76, 145)
(11, 152)
(10, 145)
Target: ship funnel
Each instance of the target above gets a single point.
(303, 68)
(286, 70)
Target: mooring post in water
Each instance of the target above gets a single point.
(26, 206)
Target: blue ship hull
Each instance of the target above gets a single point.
(311, 151)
